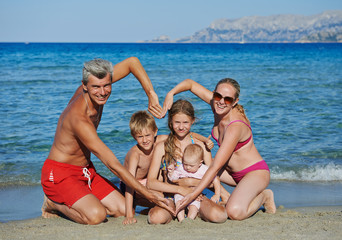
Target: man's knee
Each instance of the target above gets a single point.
(95, 215)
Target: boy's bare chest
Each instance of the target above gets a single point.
(143, 166)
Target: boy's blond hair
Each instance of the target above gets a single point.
(141, 120)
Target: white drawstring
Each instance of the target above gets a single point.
(87, 175)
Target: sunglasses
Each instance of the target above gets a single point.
(218, 97)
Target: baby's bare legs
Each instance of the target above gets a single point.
(193, 211)
(181, 215)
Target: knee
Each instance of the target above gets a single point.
(153, 217)
(236, 212)
(96, 216)
(157, 217)
(217, 214)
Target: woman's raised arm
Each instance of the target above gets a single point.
(187, 85)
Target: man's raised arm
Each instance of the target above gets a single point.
(133, 65)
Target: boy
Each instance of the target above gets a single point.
(137, 161)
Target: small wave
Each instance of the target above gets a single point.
(329, 172)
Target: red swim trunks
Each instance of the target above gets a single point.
(262, 165)
(65, 183)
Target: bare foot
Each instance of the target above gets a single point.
(224, 198)
(47, 211)
(269, 204)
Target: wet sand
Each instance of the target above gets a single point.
(287, 223)
(24, 202)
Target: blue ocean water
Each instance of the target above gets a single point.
(292, 94)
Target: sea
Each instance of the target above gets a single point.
(292, 94)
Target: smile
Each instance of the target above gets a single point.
(220, 106)
(102, 98)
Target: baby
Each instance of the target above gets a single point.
(192, 167)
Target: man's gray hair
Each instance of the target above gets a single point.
(98, 68)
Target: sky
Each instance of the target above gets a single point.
(133, 20)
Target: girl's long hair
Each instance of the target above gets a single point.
(172, 151)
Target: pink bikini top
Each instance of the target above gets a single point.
(240, 144)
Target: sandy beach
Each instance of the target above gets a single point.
(296, 218)
(287, 223)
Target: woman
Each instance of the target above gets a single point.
(181, 117)
(237, 154)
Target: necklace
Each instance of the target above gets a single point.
(97, 120)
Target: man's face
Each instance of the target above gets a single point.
(99, 90)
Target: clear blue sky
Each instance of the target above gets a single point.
(133, 20)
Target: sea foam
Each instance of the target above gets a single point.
(328, 172)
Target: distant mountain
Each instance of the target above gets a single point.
(324, 27)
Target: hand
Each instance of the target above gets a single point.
(184, 202)
(200, 198)
(215, 198)
(209, 144)
(164, 203)
(129, 220)
(183, 190)
(167, 104)
(153, 105)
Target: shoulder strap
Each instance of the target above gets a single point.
(239, 121)
(192, 139)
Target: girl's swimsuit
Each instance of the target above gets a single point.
(261, 165)
(163, 165)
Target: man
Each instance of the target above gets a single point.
(70, 182)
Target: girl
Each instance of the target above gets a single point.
(237, 154)
(181, 117)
